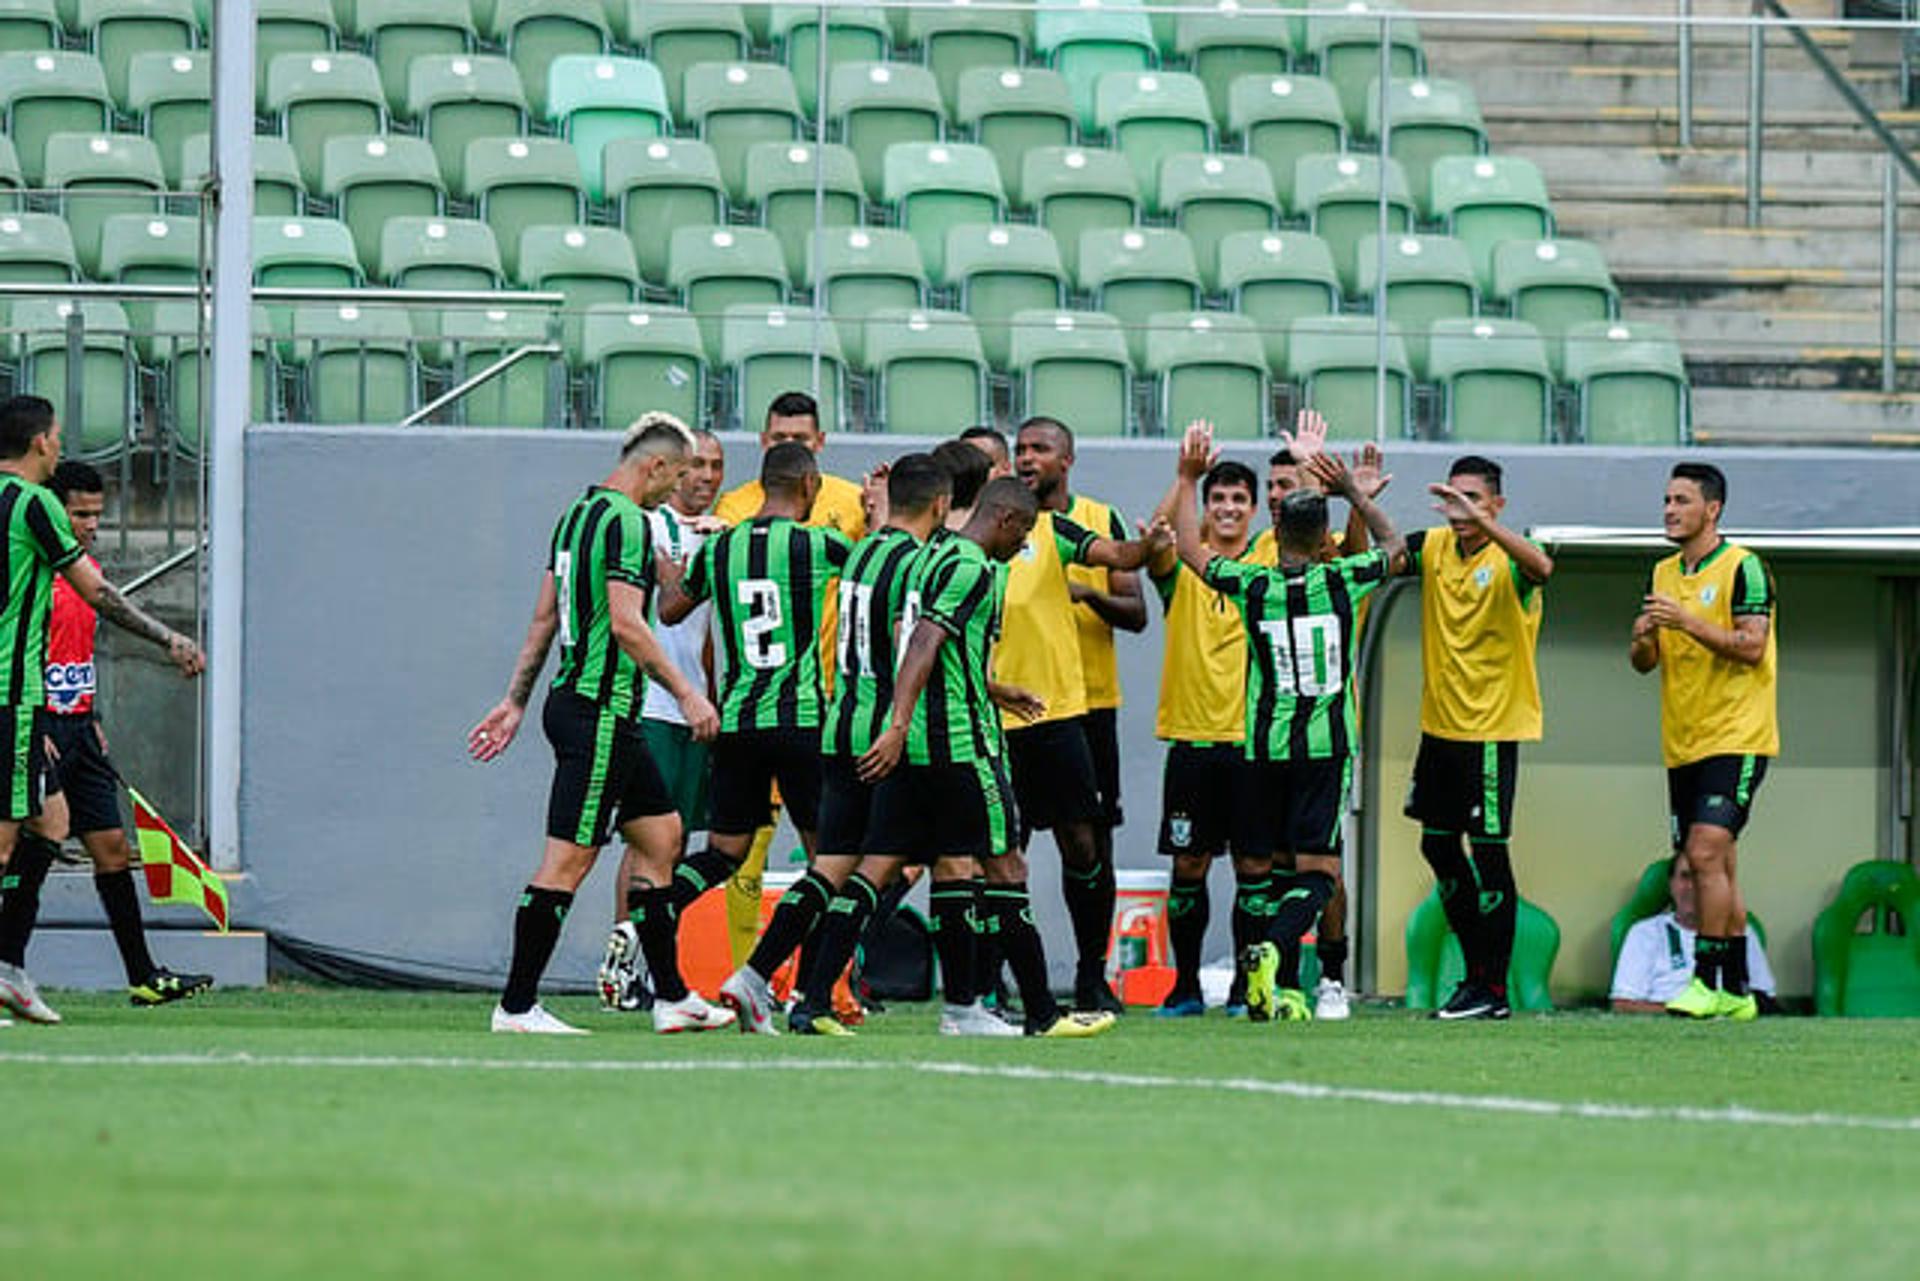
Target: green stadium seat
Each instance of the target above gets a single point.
(289, 26)
(28, 25)
(457, 100)
(119, 30)
(678, 36)
(737, 104)
(587, 264)
(396, 32)
(1223, 42)
(1137, 274)
(1074, 366)
(36, 248)
(471, 339)
(1873, 973)
(855, 33)
(712, 268)
(770, 350)
(372, 179)
(535, 32)
(170, 96)
(781, 185)
(934, 187)
(439, 253)
(595, 101)
(1429, 278)
(307, 253)
(1074, 190)
(1013, 112)
(1281, 119)
(996, 272)
(1213, 197)
(109, 404)
(1333, 359)
(1340, 196)
(175, 347)
(50, 92)
(1150, 115)
(1435, 963)
(1210, 365)
(1495, 384)
(860, 270)
(1346, 48)
(642, 358)
(955, 39)
(321, 96)
(152, 249)
(1484, 200)
(1651, 897)
(658, 184)
(11, 183)
(873, 105)
(278, 189)
(1086, 43)
(360, 362)
(1554, 285)
(1431, 120)
(521, 183)
(100, 175)
(929, 374)
(1274, 278)
(1630, 383)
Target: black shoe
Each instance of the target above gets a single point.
(1092, 995)
(164, 986)
(1472, 1001)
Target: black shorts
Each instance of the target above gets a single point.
(1053, 777)
(602, 772)
(747, 763)
(83, 773)
(926, 812)
(846, 806)
(1465, 787)
(1103, 742)
(26, 780)
(1197, 797)
(1290, 807)
(1718, 791)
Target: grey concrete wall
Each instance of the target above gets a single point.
(389, 579)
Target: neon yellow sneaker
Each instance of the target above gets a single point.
(1292, 1006)
(1079, 1025)
(802, 1023)
(1740, 1009)
(1698, 1001)
(1260, 963)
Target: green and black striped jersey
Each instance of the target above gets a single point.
(604, 537)
(40, 542)
(768, 579)
(873, 591)
(1300, 627)
(959, 588)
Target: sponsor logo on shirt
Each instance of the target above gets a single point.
(68, 684)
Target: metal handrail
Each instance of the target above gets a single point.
(1844, 87)
(143, 580)
(492, 371)
(286, 293)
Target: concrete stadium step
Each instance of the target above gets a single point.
(1775, 416)
(1497, 46)
(86, 959)
(1786, 340)
(1604, 88)
(1631, 170)
(1516, 126)
(1817, 255)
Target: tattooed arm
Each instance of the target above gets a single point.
(112, 605)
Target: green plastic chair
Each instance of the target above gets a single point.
(1554, 285)
(1340, 195)
(1485, 200)
(174, 349)
(523, 183)
(119, 30)
(659, 184)
(1429, 278)
(1875, 974)
(642, 358)
(855, 33)
(861, 270)
(170, 96)
(1213, 197)
(100, 175)
(307, 253)
(109, 407)
(1432, 120)
(1435, 963)
(1211, 365)
(373, 179)
(997, 272)
(1225, 42)
(934, 187)
(738, 104)
(472, 338)
(1630, 383)
(1650, 898)
(440, 253)
(50, 92)
(587, 264)
(1074, 190)
(28, 25)
(1281, 119)
(321, 96)
(535, 32)
(396, 32)
(1014, 112)
(360, 364)
(1074, 366)
(289, 26)
(1150, 115)
(713, 268)
(781, 184)
(676, 37)
(595, 101)
(1346, 48)
(929, 374)
(874, 105)
(1086, 43)
(11, 183)
(278, 189)
(149, 249)
(1137, 274)
(957, 39)
(1274, 278)
(36, 248)
(458, 99)
(770, 351)
(1333, 358)
(1495, 384)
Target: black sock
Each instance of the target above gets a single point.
(834, 940)
(1333, 958)
(1249, 909)
(536, 930)
(953, 939)
(1081, 886)
(1707, 953)
(1296, 906)
(1012, 920)
(988, 963)
(33, 857)
(1733, 965)
(1459, 896)
(1187, 913)
(654, 920)
(697, 874)
(1498, 905)
(117, 896)
(793, 920)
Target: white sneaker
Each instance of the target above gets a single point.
(535, 1020)
(751, 998)
(1330, 1000)
(619, 970)
(689, 1014)
(973, 1020)
(18, 994)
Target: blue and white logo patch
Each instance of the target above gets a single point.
(1709, 594)
(1483, 577)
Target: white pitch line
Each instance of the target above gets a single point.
(1303, 1090)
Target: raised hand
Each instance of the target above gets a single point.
(1308, 439)
(1369, 475)
(1455, 505)
(1331, 473)
(1158, 536)
(1197, 454)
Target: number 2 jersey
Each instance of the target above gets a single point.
(1300, 627)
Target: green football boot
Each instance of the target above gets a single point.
(1740, 1009)
(1698, 1001)
(164, 986)
(1260, 963)
(1292, 1006)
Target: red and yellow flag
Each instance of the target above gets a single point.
(175, 873)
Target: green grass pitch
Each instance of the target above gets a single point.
(331, 1133)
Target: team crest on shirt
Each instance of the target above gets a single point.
(1483, 577)
(1180, 830)
(1028, 551)
(1708, 594)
